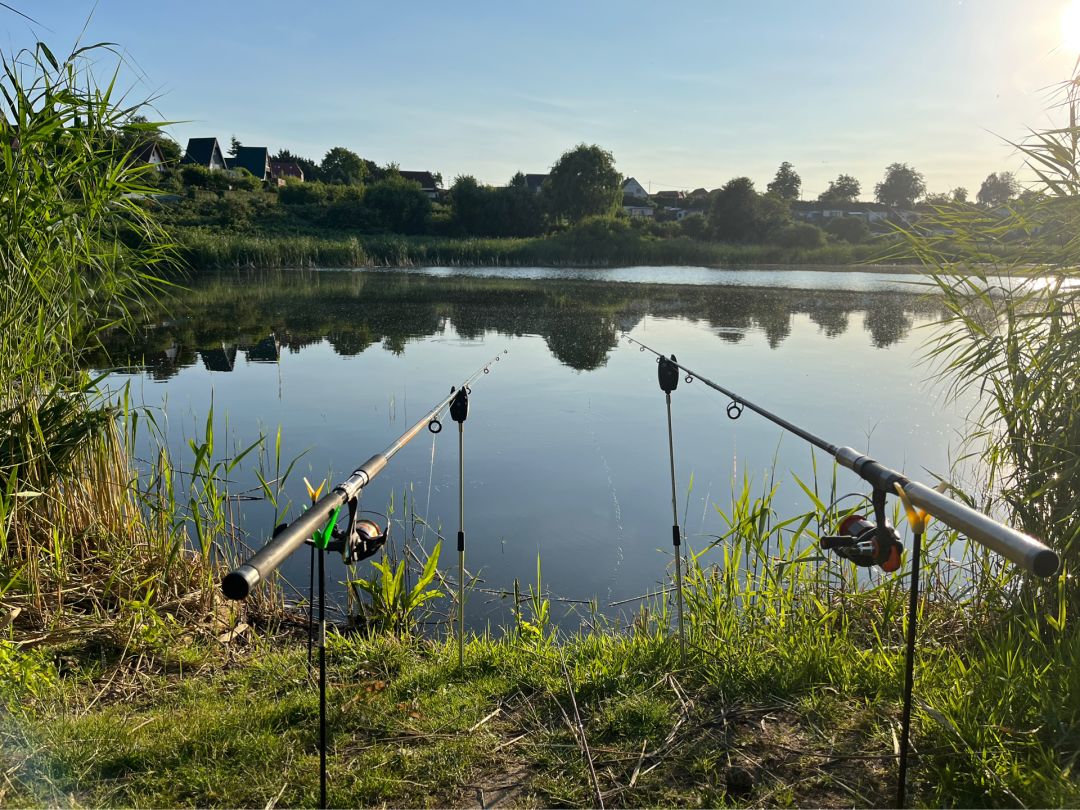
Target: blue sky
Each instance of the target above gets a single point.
(684, 94)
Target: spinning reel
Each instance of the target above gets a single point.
(865, 543)
(361, 538)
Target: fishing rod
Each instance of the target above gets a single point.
(362, 537)
(239, 582)
(868, 543)
(1020, 549)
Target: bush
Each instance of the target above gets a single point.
(850, 229)
(694, 226)
(798, 235)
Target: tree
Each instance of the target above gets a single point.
(844, 189)
(997, 189)
(343, 166)
(850, 229)
(397, 205)
(740, 214)
(583, 182)
(901, 187)
(959, 195)
(787, 183)
(234, 146)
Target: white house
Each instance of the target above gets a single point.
(634, 211)
(632, 188)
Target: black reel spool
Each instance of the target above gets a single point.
(865, 543)
(667, 372)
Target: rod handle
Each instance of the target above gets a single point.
(1017, 547)
(238, 583)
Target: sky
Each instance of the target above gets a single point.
(684, 95)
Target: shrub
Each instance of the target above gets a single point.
(798, 235)
(850, 229)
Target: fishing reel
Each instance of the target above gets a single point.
(362, 537)
(866, 543)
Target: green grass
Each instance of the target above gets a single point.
(408, 728)
(789, 695)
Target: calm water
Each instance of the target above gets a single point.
(566, 446)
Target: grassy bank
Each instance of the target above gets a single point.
(204, 249)
(789, 695)
(758, 716)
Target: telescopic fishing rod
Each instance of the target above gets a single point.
(354, 543)
(867, 543)
(362, 537)
(1020, 549)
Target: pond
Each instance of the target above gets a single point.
(566, 454)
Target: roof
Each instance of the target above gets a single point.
(669, 195)
(255, 159)
(286, 168)
(149, 153)
(535, 181)
(201, 151)
(425, 179)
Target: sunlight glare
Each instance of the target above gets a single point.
(1070, 26)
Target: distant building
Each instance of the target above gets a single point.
(204, 152)
(149, 154)
(639, 211)
(669, 196)
(821, 212)
(256, 159)
(286, 170)
(535, 182)
(427, 182)
(632, 188)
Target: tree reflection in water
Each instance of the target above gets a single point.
(263, 313)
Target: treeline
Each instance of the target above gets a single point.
(353, 197)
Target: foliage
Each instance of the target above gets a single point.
(234, 146)
(583, 183)
(798, 235)
(850, 229)
(397, 205)
(484, 211)
(901, 187)
(787, 183)
(393, 606)
(740, 214)
(844, 189)
(997, 189)
(343, 166)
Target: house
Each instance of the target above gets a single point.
(632, 188)
(819, 212)
(535, 182)
(286, 170)
(639, 211)
(427, 182)
(669, 196)
(256, 159)
(149, 154)
(205, 152)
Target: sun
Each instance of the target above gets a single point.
(1070, 26)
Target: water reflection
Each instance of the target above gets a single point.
(262, 314)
